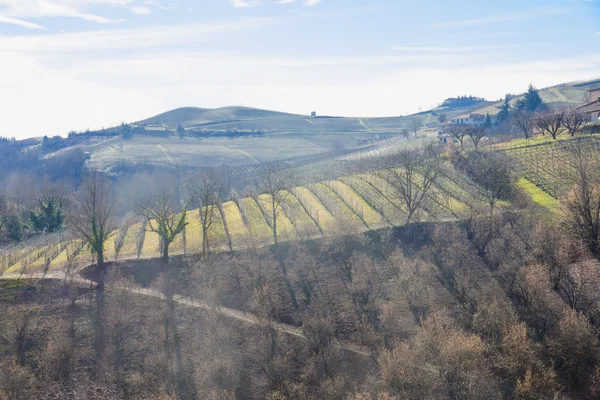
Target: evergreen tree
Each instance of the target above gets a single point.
(531, 101)
(180, 131)
(504, 109)
(50, 217)
(488, 121)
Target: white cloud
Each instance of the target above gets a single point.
(127, 38)
(58, 8)
(140, 10)
(253, 3)
(21, 23)
(244, 3)
(525, 15)
(454, 49)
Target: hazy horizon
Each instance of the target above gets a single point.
(76, 65)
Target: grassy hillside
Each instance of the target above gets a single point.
(192, 116)
(566, 94)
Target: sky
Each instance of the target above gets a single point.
(86, 64)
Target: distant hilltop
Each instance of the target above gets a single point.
(462, 101)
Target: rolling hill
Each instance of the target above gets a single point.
(252, 119)
(190, 117)
(572, 93)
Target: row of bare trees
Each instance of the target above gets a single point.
(475, 132)
(92, 218)
(551, 122)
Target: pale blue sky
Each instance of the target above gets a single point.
(77, 64)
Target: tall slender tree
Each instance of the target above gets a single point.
(207, 187)
(275, 182)
(91, 218)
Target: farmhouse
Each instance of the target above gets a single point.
(444, 138)
(471, 119)
(593, 107)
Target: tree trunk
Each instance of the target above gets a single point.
(180, 374)
(99, 338)
(164, 260)
(274, 222)
(101, 270)
(204, 239)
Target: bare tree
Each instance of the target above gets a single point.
(208, 187)
(413, 174)
(476, 133)
(415, 124)
(522, 120)
(459, 132)
(582, 203)
(492, 174)
(4, 212)
(92, 218)
(275, 182)
(550, 122)
(574, 120)
(164, 218)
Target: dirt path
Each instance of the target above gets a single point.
(199, 304)
(166, 153)
(360, 121)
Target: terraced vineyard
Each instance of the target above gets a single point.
(549, 164)
(360, 202)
